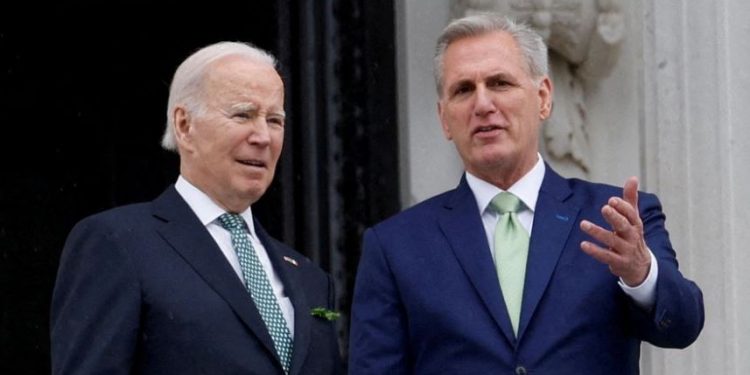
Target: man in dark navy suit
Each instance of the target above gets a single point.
(190, 283)
(518, 270)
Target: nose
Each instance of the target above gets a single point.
(259, 135)
(483, 104)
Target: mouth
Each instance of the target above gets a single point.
(253, 163)
(487, 129)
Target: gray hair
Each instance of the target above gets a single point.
(187, 84)
(529, 41)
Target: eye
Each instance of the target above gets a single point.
(462, 89)
(498, 83)
(243, 115)
(276, 121)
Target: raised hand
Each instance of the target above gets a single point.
(626, 254)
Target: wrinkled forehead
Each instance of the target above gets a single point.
(242, 78)
(497, 50)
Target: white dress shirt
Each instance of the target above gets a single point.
(208, 213)
(527, 190)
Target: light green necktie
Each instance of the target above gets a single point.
(256, 282)
(511, 250)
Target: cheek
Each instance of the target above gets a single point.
(277, 144)
(215, 140)
(222, 149)
(457, 124)
(532, 107)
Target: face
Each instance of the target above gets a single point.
(491, 107)
(229, 149)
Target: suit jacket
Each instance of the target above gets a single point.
(427, 298)
(145, 289)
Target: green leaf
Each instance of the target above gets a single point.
(324, 313)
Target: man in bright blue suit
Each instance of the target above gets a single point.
(437, 293)
(190, 283)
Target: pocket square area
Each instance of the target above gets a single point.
(324, 313)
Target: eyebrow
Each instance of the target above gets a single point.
(244, 107)
(460, 83)
(252, 107)
(502, 76)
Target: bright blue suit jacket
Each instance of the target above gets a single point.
(427, 298)
(145, 289)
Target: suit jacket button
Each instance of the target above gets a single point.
(520, 370)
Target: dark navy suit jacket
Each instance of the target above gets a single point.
(144, 289)
(427, 298)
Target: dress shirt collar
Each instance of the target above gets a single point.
(204, 207)
(526, 189)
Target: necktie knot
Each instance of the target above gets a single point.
(232, 222)
(506, 202)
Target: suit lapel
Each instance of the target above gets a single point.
(461, 224)
(190, 239)
(286, 265)
(553, 220)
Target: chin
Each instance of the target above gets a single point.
(251, 190)
(492, 158)
(253, 195)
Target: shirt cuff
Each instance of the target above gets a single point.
(644, 295)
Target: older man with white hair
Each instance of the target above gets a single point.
(190, 283)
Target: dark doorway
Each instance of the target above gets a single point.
(83, 92)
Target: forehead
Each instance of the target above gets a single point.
(496, 50)
(240, 77)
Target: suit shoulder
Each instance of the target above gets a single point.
(592, 188)
(429, 208)
(589, 191)
(127, 216)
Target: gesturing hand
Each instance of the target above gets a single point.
(627, 255)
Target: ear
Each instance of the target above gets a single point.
(545, 98)
(443, 121)
(183, 128)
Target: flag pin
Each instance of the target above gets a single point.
(562, 217)
(290, 260)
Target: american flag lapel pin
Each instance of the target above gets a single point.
(291, 260)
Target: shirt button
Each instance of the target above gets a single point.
(520, 370)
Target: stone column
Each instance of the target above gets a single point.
(695, 108)
(429, 163)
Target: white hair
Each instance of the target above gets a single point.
(187, 83)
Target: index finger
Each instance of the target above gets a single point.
(630, 192)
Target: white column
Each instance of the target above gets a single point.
(696, 104)
(429, 163)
